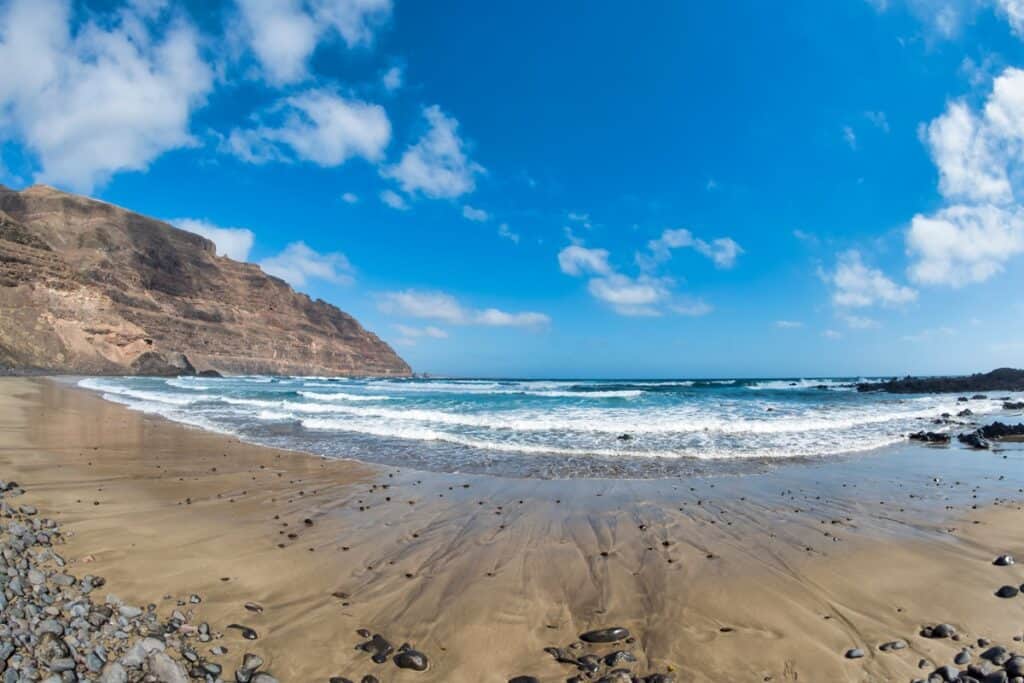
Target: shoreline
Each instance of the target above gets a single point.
(482, 582)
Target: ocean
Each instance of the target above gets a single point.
(548, 428)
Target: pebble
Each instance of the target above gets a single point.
(605, 635)
(854, 653)
(1008, 592)
(1003, 561)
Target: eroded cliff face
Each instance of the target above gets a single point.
(90, 288)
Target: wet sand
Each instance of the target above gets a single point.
(745, 578)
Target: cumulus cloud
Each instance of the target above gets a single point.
(318, 126)
(960, 245)
(394, 200)
(437, 165)
(433, 305)
(1013, 10)
(856, 285)
(416, 332)
(979, 154)
(92, 100)
(788, 324)
(283, 34)
(235, 243)
(350, 198)
(579, 260)
(878, 119)
(643, 295)
(506, 232)
(392, 79)
(630, 296)
(298, 263)
(858, 322)
(473, 214)
(722, 251)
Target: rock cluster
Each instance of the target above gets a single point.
(613, 665)
(55, 629)
(981, 438)
(1003, 379)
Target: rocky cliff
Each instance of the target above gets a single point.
(90, 288)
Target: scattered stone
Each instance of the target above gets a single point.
(854, 653)
(1008, 592)
(605, 635)
(1003, 561)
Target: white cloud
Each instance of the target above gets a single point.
(878, 119)
(284, 33)
(691, 308)
(970, 166)
(831, 334)
(722, 251)
(644, 295)
(630, 296)
(100, 99)
(857, 322)
(433, 305)
(788, 324)
(960, 245)
(235, 243)
(580, 217)
(298, 264)
(394, 200)
(506, 232)
(1014, 12)
(416, 332)
(497, 318)
(980, 156)
(855, 285)
(318, 126)
(579, 260)
(392, 79)
(476, 215)
(437, 165)
(850, 137)
(350, 198)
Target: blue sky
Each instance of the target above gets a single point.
(567, 189)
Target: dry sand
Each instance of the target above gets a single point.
(729, 579)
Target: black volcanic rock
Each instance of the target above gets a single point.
(90, 288)
(1003, 379)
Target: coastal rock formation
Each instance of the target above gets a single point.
(90, 288)
(1003, 379)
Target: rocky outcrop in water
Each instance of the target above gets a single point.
(1003, 379)
(89, 288)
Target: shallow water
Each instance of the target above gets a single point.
(547, 428)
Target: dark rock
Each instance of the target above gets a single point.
(939, 631)
(378, 647)
(605, 635)
(1003, 380)
(524, 679)
(1011, 405)
(974, 440)
(411, 659)
(208, 373)
(998, 430)
(247, 633)
(1003, 561)
(854, 653)
(1007, 592)
(930, 437)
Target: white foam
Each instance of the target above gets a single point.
(341, 396)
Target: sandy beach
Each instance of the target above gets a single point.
(766, 577)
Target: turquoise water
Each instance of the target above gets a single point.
(547, 428)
